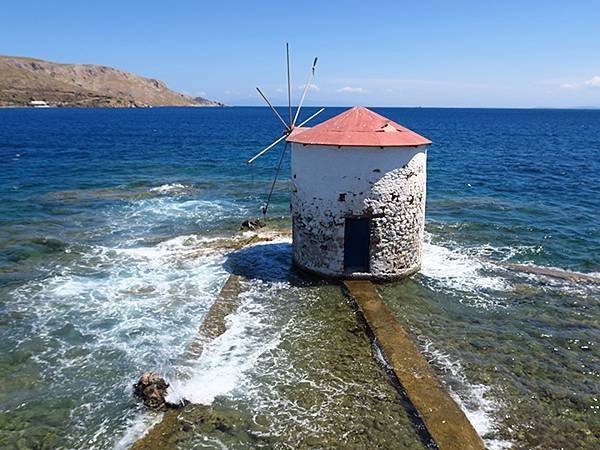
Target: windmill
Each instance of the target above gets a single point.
(288, 126)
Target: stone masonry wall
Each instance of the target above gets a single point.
(397, 235)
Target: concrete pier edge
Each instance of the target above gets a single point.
(444, 419)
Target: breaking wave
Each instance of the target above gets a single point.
(250, 332)
(457, 272)
(114, 312)
(223, 364)
(482, 275)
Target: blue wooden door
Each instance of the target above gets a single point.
(356, 245)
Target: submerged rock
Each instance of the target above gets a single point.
(251, 225)
(152, 389)
(190, 427)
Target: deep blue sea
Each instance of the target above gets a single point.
(108, 261)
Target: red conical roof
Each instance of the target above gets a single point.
(358, 127)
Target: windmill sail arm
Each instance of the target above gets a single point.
(287, 127)
(266, 207)
(266, 149)
(289, 84)
(312, 117)
(274, 143)
(311, 75)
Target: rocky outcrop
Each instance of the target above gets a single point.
(151, 388)
(251, 225)
(23, 80)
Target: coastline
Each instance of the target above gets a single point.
(110, 107)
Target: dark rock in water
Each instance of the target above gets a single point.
(152, 389)
(252, 224)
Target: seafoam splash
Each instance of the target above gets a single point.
(457, 271)
(475, 399)
(116, 311)
(120, 286)
(482, 275)
(250, 331)
(172, 189)
(225, 361)
(166, 216)
(136, 427)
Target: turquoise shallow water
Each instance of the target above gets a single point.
(107, 266)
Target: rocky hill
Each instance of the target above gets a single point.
(23, 80)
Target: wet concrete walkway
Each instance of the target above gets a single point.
(214, 324)
(445, 421)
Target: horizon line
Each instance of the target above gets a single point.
(423, 107)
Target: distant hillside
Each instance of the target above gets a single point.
(86, 85)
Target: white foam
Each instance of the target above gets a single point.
(138, 219)
(106, 313)
(457, 270)
(136, 428)
(477, 275)
(172, 188)
(123, 310)
(474, 399)
(171, 250)
(152, 209)
(226, 360)
(136, 289)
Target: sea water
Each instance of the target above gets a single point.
(109, 258)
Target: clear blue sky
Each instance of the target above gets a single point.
(384, 53)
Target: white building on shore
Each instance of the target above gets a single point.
(39, 104)
(358, 199)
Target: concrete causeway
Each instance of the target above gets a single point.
(213, 325)
(164, 433)
(445, 421)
